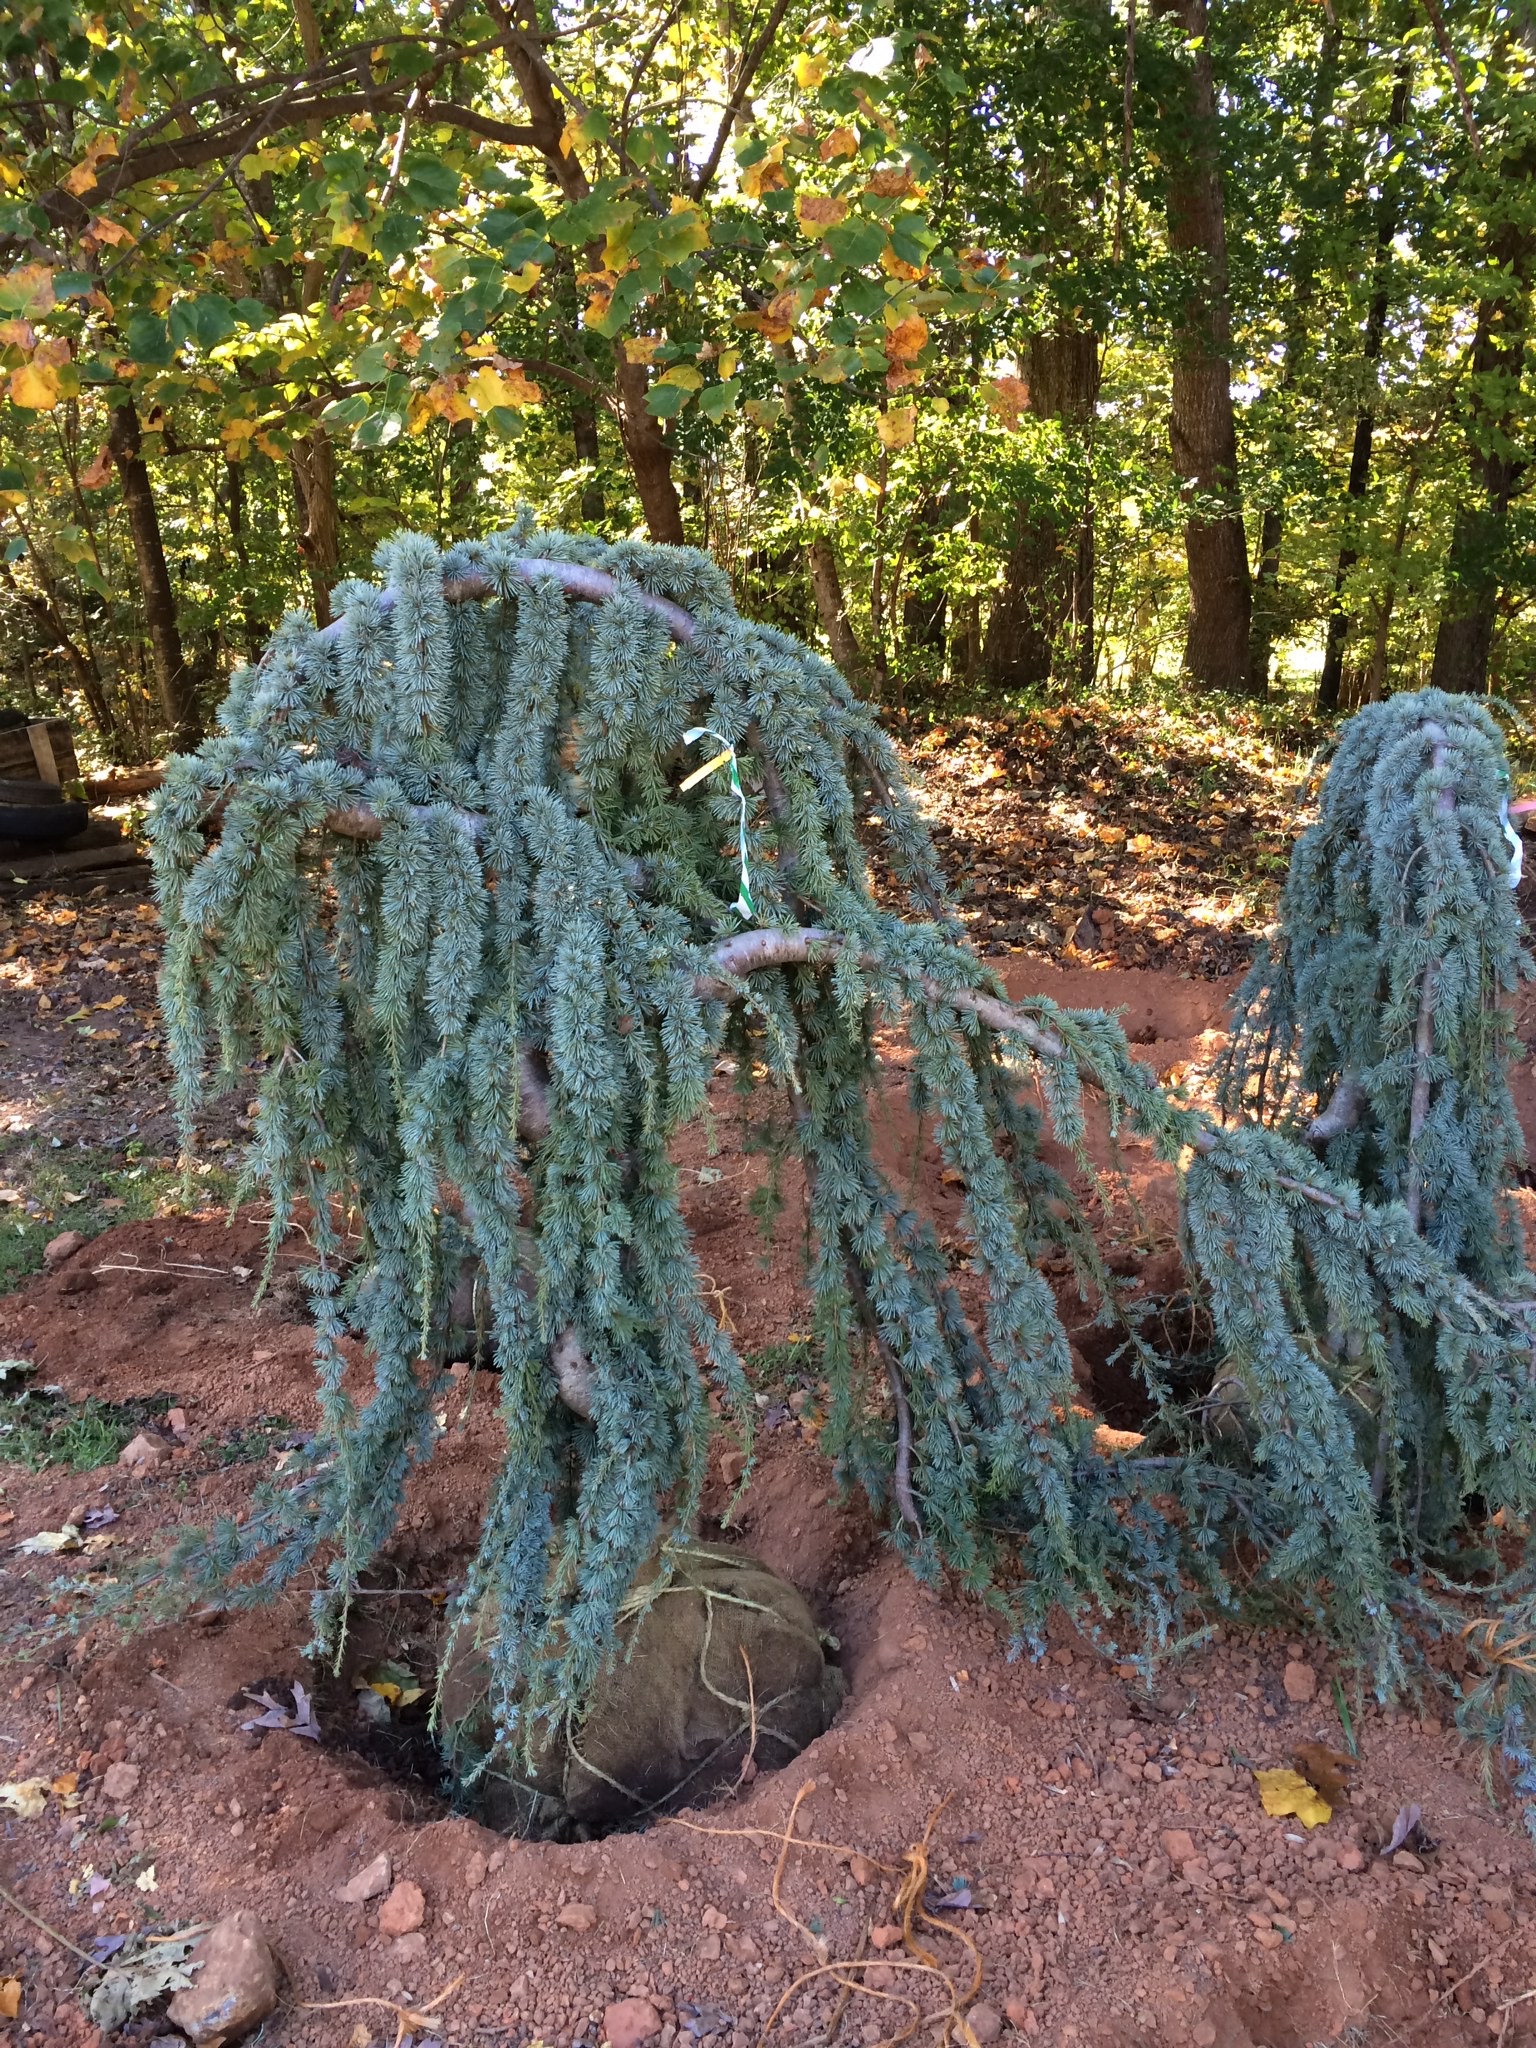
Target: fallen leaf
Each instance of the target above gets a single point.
(1408, 1818)
(48, 1542)
(1324, 1769)
(27, 1798)
(145, 1881)
(296, 1720)
(143, 1974)
(1287, 1792)
(10, 1997)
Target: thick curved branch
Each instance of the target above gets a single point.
(1341, 1113)
(594, 586)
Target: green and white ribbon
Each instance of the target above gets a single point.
(1516, 845)
(745, 907)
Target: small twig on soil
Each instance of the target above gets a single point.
(1451, 1990)
(52, 1933)
(405, 2015)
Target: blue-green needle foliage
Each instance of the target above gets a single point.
(482, 1027)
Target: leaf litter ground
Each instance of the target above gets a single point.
(1108, 1856)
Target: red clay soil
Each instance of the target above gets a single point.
(1125, 1884)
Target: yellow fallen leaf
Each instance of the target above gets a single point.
(27, 1798)
(1287, 1792)
(385, 1690)
(65, 1784)
(10, 1997)
(113, 1003)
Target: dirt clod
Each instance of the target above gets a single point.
(1300, 1682)
(404, 1910)
(121, 1782)
(63, 1247)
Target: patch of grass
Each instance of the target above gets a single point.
(793, 1364)
(87, 1191)
(39, 1427)
(254, 1441)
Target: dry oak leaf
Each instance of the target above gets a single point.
(1324, 1769)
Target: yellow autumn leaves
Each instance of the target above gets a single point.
(50, 375)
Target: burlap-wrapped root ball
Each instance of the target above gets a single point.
(717, 1659)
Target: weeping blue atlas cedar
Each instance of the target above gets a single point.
(481, 933)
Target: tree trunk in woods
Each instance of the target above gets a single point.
(1268, 610)
(234, 498)
(588, 451)
(1045, 607)
(922, 612)
(1480, 538)
(1334, 693)
(650, 459)
(173, 678)
(1202, 425)
(827, 588)
(314, 487)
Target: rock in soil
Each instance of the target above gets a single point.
(145, 1453)
(235, 1988)
(63, 1247)
(121, 1782)
(371, 1882)
(630, 2021)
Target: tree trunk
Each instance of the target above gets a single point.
(827, 587)
(1480, 537)
(173, 679)
(1202, 425)
(588, 451)
(1268, 609)
(1331, 691)
(314, 486)
(234, 480)
(650, 459)
(923, 612)
(1045, 607)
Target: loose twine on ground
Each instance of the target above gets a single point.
(406, 2016)
(909, 1913)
